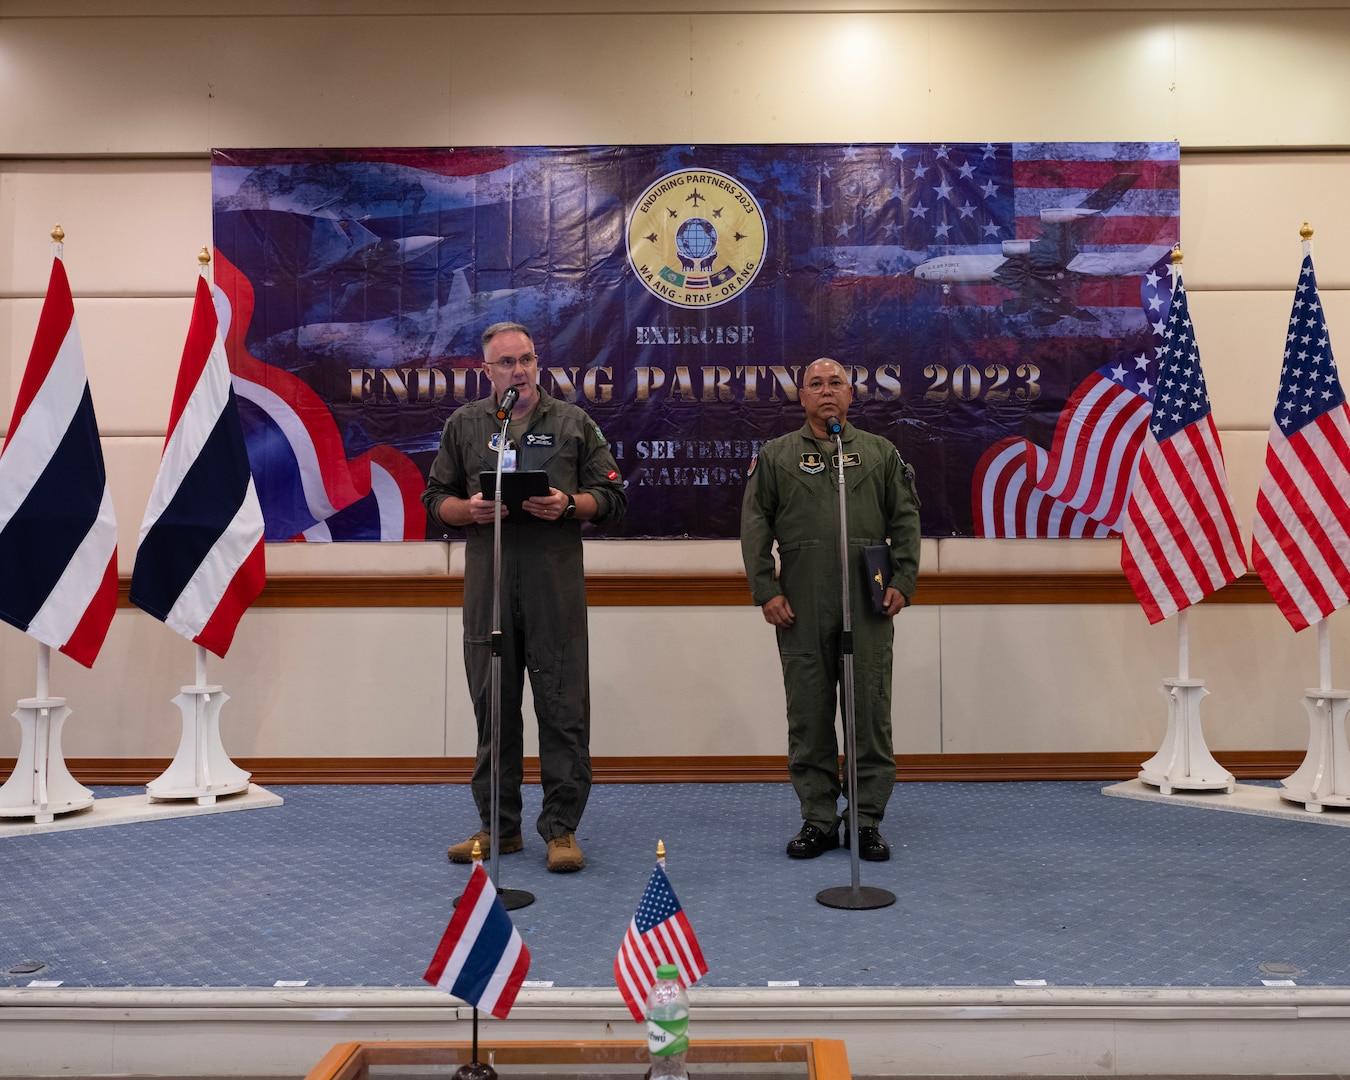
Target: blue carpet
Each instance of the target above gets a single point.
(349, 886)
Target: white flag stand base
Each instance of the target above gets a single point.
(1184, 762)
(1324, 777)
(41, 786)
(201, 769)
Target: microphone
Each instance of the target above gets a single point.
(833, 425)
(508, 403)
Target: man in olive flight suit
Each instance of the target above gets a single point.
(792, 497)
(543, 602)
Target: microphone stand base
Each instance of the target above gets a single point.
(512, 899)
(475, 1070)
(855, 897)
(515, 899)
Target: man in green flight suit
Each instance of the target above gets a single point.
(543, 602)
(792, 497)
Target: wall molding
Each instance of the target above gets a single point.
(712, 590)
(915, 768)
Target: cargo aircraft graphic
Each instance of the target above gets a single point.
(1039, 270)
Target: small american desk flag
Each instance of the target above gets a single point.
(1301, 536)
(481, 958)
(659, 933)
(1181, 536)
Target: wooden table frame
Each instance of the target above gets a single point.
(825, 1059)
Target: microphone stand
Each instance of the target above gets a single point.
(511, 898)
(854, 897)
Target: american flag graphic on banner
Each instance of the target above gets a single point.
(1301, 536)
(1098, 437)
(659, 933)
(1181, 536)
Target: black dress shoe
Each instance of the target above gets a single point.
(811, 842)
(872, 846)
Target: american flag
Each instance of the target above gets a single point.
(659, 933)
(1301, 536)
(481, 958)
(1101, 429)
(1181, 536)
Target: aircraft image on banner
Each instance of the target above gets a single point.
(1039, 270)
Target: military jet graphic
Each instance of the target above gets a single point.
(1039, 270)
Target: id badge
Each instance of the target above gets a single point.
(509, 459)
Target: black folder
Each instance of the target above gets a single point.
(516, 486)
(877, 559)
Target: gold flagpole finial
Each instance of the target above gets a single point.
(204, 257)
(58, 234)
(1306, 232)
(1176, 255)
(660, 851)
(477, 854)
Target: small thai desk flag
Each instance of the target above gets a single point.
(1301, 536)
(200, 561)
(58, 535)
(659, 933)
(1181, 539)
(481, 958)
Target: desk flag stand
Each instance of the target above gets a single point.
(853, 897)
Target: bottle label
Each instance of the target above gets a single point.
(666, 1037)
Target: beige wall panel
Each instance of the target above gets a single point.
(1241, 340)
(568, 79)
(131, 465)
(132, 227)
(1244, 458)
(123, 706)
(1241, 215)
(868, 78)
(357, 558)
(707, 681)
(335, 81)
(1052, 76)
(340, 683)
(132, 349)
(974, 555)
(1263, 78)
(104, 86)
(1081, 679)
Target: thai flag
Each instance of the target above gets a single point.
(200, 561)
(58, 536)
(481, 958)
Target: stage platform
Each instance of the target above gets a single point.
(1039, 929)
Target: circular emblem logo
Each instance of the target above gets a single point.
(696, 238)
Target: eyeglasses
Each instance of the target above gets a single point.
(507, 364)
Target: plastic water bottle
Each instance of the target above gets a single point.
(667, 1025)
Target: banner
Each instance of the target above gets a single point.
(676, 293)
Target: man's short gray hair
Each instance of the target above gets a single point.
(505, 328)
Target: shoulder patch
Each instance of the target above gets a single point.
(751, 472)
(598, 433)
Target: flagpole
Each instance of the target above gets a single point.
(1184, 643)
